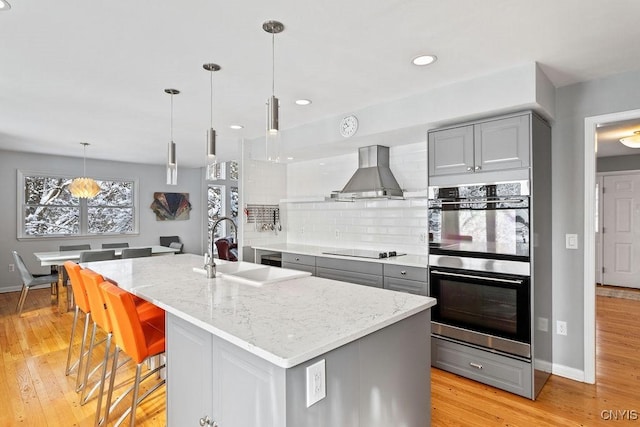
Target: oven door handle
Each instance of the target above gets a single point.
(469, 276)
(476, 201)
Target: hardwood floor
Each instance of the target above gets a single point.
(562, 402)
(35, 391)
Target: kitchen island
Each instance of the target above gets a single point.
(238, 353)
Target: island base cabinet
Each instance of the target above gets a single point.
(379, 380)
(189, 373)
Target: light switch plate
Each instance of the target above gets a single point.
(571, 241)
(316, 382)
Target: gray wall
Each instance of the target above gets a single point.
(574, 103)
(150, 179)
(618, 163)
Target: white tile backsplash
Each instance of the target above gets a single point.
(367, 224)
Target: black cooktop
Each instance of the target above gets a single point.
(364, 253)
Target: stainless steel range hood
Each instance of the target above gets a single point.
(373, 179)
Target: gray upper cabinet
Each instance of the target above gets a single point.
(486, 146)
(451, 151)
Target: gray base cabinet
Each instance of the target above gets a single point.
(490, 368)
(299, 262)
(406, 279)
(359, 272)
(371, 382)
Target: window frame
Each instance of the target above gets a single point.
(82, 205)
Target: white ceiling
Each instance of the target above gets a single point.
(78, 70)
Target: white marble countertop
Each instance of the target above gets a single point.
(407, 260)
(286, 323)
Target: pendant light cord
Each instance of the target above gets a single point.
(273, 64)
(84, 162)
(211, 73)
(171, 117)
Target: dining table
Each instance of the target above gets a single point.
(58, 258)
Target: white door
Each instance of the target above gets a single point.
(621, 233)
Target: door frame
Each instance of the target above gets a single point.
(589, 274)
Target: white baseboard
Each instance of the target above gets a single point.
(567, 372)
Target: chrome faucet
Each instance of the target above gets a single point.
(209, 263)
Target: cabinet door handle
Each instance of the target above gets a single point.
(475, 365)
(206, 421)
(403, 272)
(478, 168)
(469, 168)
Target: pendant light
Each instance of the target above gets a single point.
(211, 132)
(632, 141)
(273, 119)
(83, 187)
(172, 164)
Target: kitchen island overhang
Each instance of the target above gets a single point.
(378, 339)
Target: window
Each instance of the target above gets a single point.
(223, 198)
(47, 208)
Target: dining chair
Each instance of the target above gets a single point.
(30, 281)
(136, 253)
(140, 340)
(167, 240)
(64, 248)
(105, 255)
(176, 245)
(115, 245)
(82, 305)
(146, 312)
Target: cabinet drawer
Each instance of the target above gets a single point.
(349, 265)
(404, 272)
(403, 285)
(300, 267)
(488, 368)
(298, 259)
(350, 276)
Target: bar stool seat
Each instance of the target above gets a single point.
(140, 340)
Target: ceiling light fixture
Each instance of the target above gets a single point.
(273, 125)
(172, 164)
(211, 132)
(83, 187)
(236, 127)
(303, 101)
(4, 5)
(632, 141)
(424, 60)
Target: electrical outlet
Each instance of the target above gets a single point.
(423, 237)
(12, 267)
(337, 234)
(561, 327)
(316, 383)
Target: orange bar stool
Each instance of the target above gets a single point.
(146, 312)
(140, 340)
(82, 305)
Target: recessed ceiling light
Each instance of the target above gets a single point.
(303, 101)
(4, 5)
(289, 158)
(236, 127)
(424, 60)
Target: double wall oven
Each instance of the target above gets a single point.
(479, 265)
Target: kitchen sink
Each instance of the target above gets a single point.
(254, 274)
(265, 275)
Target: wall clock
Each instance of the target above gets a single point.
(348, 126)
